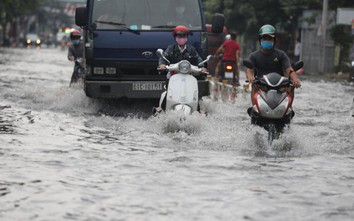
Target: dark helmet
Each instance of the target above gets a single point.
(180, 30)
(266, 30)
(75, 34)
(234, 35)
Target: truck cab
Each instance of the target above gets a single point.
(120, 40)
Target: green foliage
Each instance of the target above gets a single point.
(341, 35)
(247, 16)
(12, 9)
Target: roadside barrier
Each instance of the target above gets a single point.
(225, 92)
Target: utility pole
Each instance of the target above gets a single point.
(324, 32)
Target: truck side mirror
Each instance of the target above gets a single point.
(217, 23)
(81, 16)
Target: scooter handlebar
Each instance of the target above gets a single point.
(194, 70)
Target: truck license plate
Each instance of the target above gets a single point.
(147, 86)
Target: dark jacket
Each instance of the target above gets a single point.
(174, 55)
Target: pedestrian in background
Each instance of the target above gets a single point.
(297, 50)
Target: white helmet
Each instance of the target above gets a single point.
(228, 37)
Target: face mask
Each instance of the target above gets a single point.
(181, 40)
(267, 45)
(75, 42)
(180, 10)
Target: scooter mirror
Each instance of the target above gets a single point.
(159, 52)
(248, 63)
(210, 57)
(298, 65)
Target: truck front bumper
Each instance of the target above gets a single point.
(133, 89)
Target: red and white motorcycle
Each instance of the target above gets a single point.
(272, 99)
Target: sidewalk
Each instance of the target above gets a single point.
(325, 77)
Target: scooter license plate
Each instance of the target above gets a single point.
(229, 74)
(147, 86)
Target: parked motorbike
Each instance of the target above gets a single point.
(272, 101)
(182, 89)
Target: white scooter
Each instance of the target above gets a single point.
(182, 90)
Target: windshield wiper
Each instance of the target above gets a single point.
(120, 25)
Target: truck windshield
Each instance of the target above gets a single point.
(146, 14)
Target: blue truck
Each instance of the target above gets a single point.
(121, 37)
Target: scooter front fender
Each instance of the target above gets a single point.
(182, 90)
(185, 108)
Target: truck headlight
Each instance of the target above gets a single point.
(98, 70)
(184, 67)
(111, 70)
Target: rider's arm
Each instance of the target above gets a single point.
(292, 74)
(237, 55)
(71, 56)
(220, 49)
(250, 75)
(290, 71)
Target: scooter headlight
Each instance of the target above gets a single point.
(184, 67)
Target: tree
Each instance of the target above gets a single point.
(10, 10)
(342, 36)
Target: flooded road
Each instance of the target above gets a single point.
(68, 157)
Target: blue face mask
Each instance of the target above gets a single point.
(75, 42)
(267, 45)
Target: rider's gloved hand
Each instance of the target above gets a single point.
(71, 58)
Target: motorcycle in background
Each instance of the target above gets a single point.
(228, 73)
(272, 101)
(182, 89)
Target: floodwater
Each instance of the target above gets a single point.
(68, 157)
